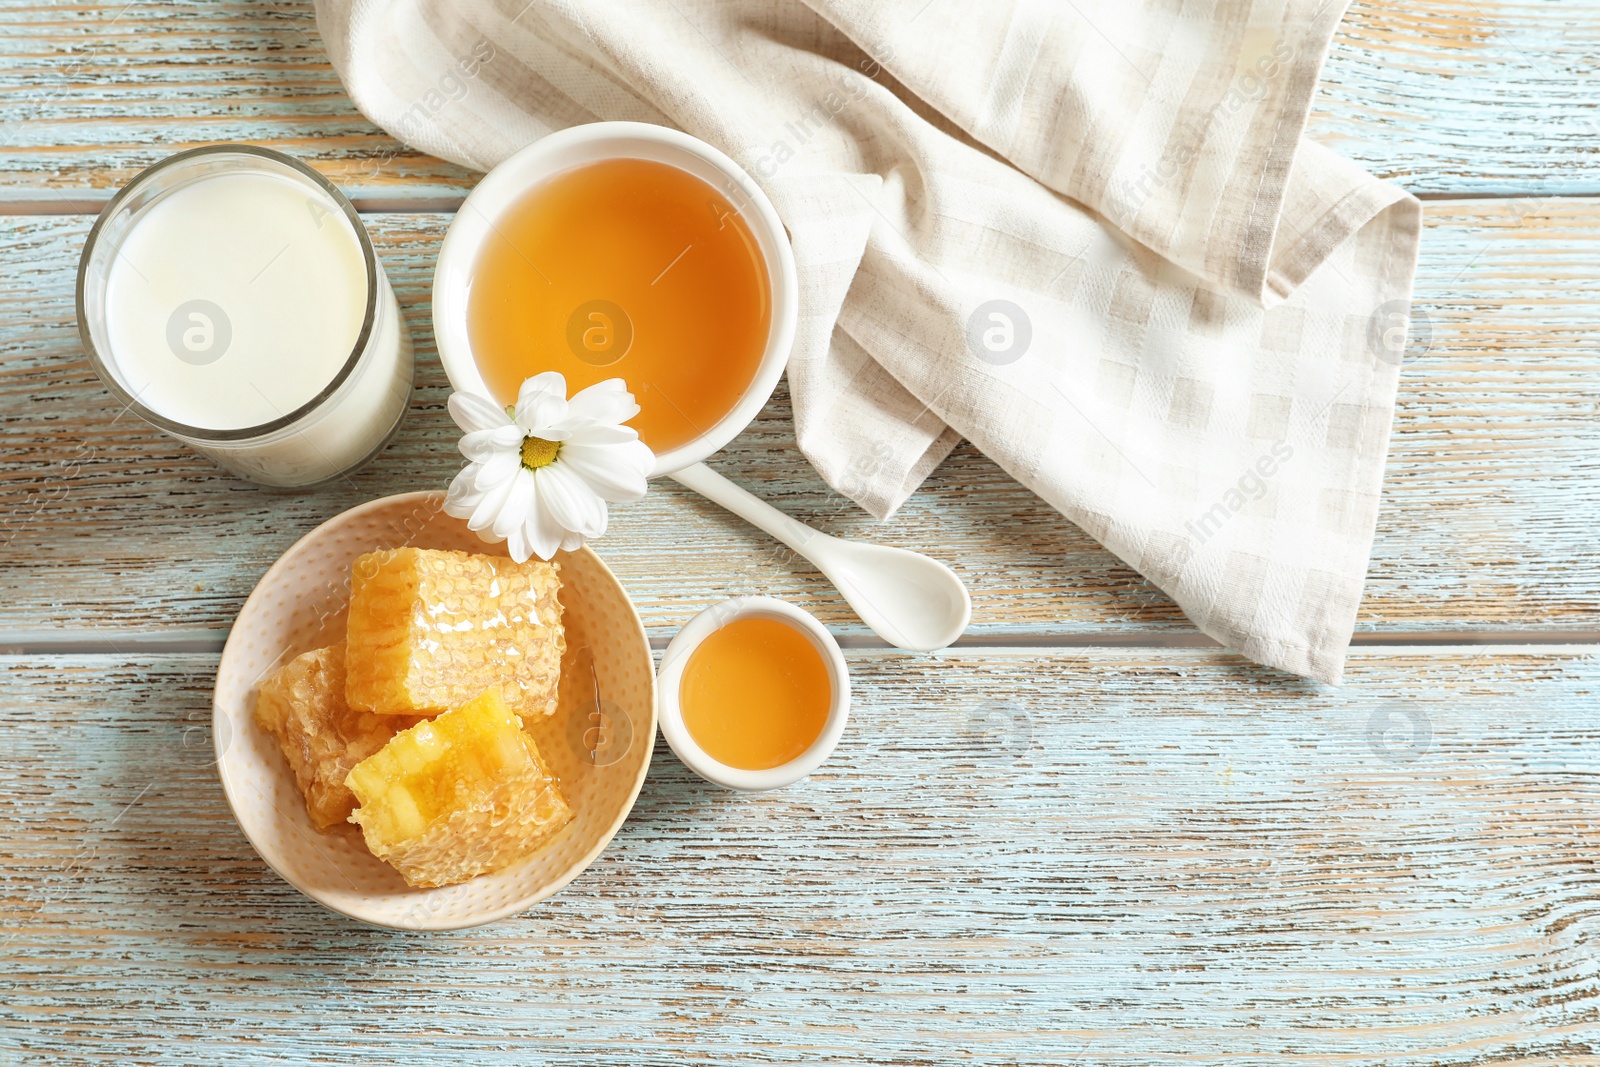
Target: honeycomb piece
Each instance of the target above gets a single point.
(303, 706)
(458, 796)
(432, 629)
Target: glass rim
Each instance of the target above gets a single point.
(102, 366)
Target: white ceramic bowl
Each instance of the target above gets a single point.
(670, 675)
(599, 750)
(591, 143)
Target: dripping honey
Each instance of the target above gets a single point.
(755, 694)
(625, 268)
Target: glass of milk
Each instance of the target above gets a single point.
(230, 296)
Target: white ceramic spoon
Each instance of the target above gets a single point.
(909, 600)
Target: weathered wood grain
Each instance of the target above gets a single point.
(1467, 96)
(1487, 521)
(1445, 96)
(97, 91)
(1116, 857)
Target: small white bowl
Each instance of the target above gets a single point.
(670, 675)
(576, 146)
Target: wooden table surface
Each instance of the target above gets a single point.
(1084, 835)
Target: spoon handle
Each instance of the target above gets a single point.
(752, 509)
(911, 601)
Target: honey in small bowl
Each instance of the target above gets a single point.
(755, 694)
(625, 268)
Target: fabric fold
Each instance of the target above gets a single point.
(1090, 239)
(1181, 129)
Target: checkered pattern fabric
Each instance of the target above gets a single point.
(1089, 237)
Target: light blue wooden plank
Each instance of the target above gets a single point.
(97, 91)
(1445, 96)
(1467, 96)
(1023, 856)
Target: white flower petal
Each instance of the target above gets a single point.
(618, 473)
(496, 469)
(601, 435)
(517, 544)
(479, 445)
(483, 516)
(473, 412)
(516, 506)
(464, 494)
(570, 501)
(607, 402)
(542, 405)
(544, 534)
(571, 542)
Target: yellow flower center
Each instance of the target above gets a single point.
(537, 452)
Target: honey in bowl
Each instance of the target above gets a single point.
(625, 268)
(755, 694)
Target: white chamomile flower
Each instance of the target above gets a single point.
(542, 473)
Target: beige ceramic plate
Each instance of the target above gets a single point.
(598, 742)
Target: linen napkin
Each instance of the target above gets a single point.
(1087, 236)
